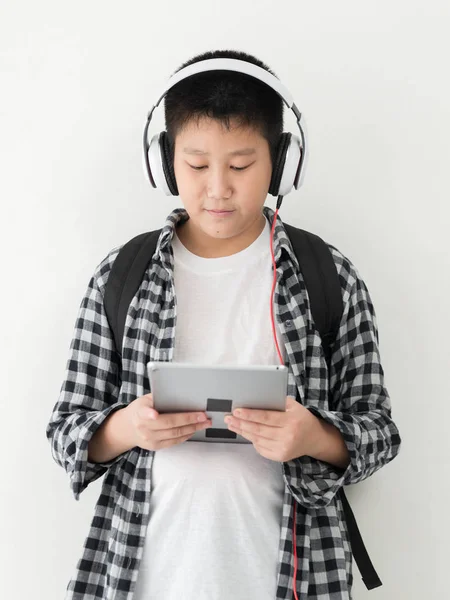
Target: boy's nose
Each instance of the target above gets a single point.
(218, 186)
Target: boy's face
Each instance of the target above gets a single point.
(218, 185)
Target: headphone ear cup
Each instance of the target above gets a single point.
(277, 171)
(167, 163)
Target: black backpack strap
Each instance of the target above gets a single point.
(322, 282)
(324, 290)
(365, 565)
(124, 279)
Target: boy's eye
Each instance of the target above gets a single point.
(204, 167)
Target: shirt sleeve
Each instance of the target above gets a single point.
(90, 389)
(359, 406)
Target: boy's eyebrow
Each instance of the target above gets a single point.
(242, 152)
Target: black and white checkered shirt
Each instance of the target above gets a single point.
(352, 397)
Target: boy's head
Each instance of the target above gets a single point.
(210, 116)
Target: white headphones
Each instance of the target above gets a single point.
(292, 153)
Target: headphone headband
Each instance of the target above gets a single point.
(229, 64)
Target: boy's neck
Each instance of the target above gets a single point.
(200, 244)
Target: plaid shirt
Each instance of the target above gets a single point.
(352, 397)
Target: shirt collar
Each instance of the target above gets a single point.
(281, 242)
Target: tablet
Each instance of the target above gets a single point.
(217, 390)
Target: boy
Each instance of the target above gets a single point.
(185, 521)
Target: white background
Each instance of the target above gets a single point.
(77, 81)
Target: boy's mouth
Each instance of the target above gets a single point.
(220, 213)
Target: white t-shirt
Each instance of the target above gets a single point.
(215, 514)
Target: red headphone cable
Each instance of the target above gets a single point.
(282, 362)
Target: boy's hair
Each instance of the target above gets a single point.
(224, 94)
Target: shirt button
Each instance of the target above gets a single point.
(288, 324)
(127, 562)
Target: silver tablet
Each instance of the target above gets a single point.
(217, 390)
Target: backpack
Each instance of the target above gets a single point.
(324, 290)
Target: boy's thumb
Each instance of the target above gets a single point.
(150, 412)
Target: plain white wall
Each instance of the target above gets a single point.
(77, 81)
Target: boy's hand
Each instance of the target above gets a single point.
(153, 431)
(277, 435)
